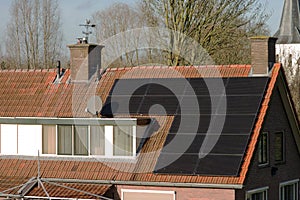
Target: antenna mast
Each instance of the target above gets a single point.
(87, 31)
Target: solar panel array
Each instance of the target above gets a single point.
(200, 106)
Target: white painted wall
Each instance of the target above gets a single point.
(9, 139)
(29, 139)
(109, 136)
(21, 139)
(284, 50)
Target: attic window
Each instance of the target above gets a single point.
(110, 138)
(82, 140)
(263, 149)
(279, 147)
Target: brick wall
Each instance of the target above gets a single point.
(276, 120)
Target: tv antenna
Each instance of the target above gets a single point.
(87, 31)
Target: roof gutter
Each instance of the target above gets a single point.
(142, 183)
(67, 121)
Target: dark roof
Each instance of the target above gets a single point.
(203, 111)
(289, 30)
(35, 95)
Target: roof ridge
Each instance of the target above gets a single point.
(181, 66)
(28, 70)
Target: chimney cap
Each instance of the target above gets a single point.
(263, 37)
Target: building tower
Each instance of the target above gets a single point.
(288, 43)
(288, 47)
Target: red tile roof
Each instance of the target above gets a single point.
(32, 93)
(35, 95)
(65, 190)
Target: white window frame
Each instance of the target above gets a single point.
(108, 125)
(256, 191)
(108, 132)
(287, 183)
(148, 191)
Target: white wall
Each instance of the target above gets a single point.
(9, 139)
(29, 139)
(284, 50)
(21, 139)
(109, 135)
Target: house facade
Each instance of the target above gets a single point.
(178, 133)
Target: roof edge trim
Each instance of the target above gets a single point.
(258, 125)
(142, 183)
(81, 121)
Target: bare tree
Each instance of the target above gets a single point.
(33, 34)
(219, 26)
(51, 31)
(2, 61)
(116, 19)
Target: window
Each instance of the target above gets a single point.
(64, 140)
(123, 140)
(263, 149)
(289, 190)
(258, 194)
(72, 140)
(49, 139)
(279, 147)
(69, 140)
(81, 140)
(97, 140)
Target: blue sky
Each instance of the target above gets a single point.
(76, 11)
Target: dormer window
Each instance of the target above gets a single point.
(88, 138)
(81, 140)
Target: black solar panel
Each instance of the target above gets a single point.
(167, 87)
(176, 163)
(219, 165)
(167, 104)
(129, 86)
(211, 114)
(246, 86)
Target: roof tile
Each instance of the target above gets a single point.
(55, 100)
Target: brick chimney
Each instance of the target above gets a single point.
(85, 60)
(263, 54)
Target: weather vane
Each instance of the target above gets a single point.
(87, 31)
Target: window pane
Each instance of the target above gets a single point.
(64, 140)
(81, 140)
(263, 149)
(257, 196)
(279, 151)
(97, 140)
(123, 141)
(49, 139)
(289, 192)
